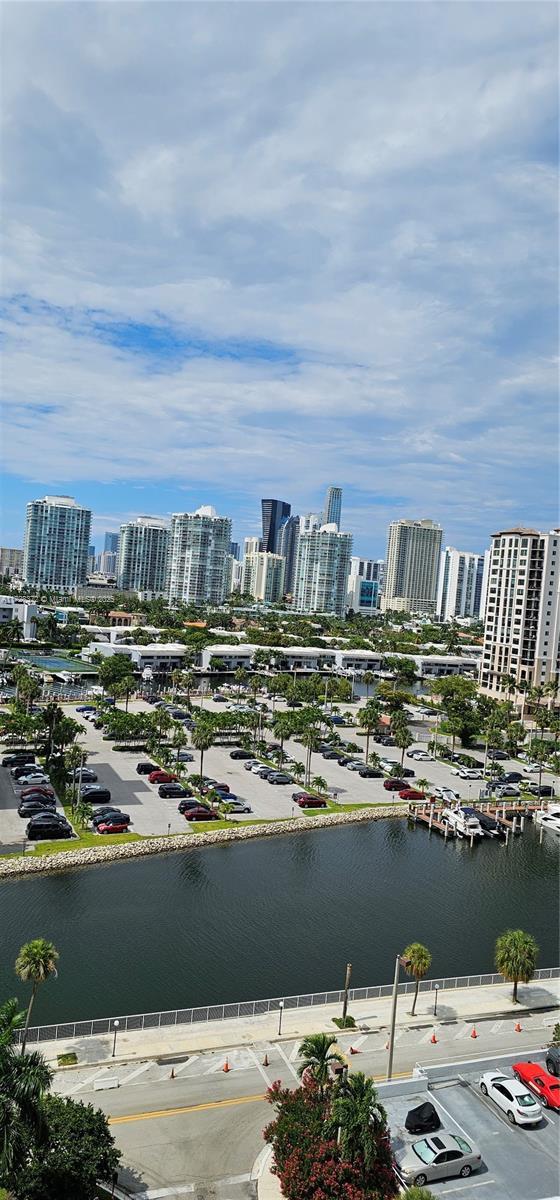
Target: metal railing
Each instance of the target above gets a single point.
(256, 1008)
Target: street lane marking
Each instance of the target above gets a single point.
(359, 1041)
(139, 1071)
(288, 1063)
(260, 1067)
(463, 1033)
(159, 1114)
(495, 1028)
(295, 1052)
(89, 1080)
(192, 1058)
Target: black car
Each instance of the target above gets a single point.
(18, 760)
(30, 807)
(146, 768)
(423, 1119)
(86, 775)
(106, 815)
(169, 791)
(369, 773)
(53, 827)
(406, 772)
(95, 793)
(240, 754)
(553, 1060)
(23, 769)
(497, 754)
(511, 777)
(333, 754)
(183, 805)
(294, 703)
(545, 789)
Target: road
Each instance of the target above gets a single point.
(201, 1131)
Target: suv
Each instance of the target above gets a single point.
(145, 768)
(394, 785)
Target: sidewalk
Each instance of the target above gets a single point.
(453, 1004)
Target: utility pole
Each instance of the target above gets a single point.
(399, 961)
(346, 987)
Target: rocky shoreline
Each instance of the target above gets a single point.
(70, 859)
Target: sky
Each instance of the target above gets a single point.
(255, 249)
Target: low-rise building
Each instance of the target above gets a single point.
(159, 656)
(24, 611)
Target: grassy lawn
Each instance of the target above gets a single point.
(85, 841)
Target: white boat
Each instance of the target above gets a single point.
(549, 818)
(463, 822)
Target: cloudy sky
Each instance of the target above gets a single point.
(253, 249)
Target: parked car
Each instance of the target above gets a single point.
(85, 708)
(95, 793)
(31, 794)
(185, 756)
(86, 774)
(240, 754)
(18, 760)
(190, 801)
(47, 827)
(507, 789)
(263, 772)
(211, 785)
(252, 762)
(116, 825)
(172, 791)
(160, 776)
(33, 777)
(422, 1119)
(411, 794)
(354, 764)
(539, 1081)
(42, 789)
(312, 802)
(201, 814)
(439, 1156)
(238, 806)
(512, 777)
(420, 755)
(553, 1060)
(146, 768)
(467, 772)
(393, 785)
(445, 793)
(511, 1097)
(545, 789)
(280, 777)
(332, 754)
(106, 813)
(21, 769)
(497, 755)
(297, 796)
(30, 807)
(369, 772)
(385, 739)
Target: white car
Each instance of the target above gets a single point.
(507, 789)
(387, 764)
(532, 766)
(467, 772)
(512, 1097)
(37, 777)
(445, 793)
(422, 756)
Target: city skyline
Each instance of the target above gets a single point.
(257, 297)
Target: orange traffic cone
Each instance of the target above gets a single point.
(265, 1062)
(172, 1076)
(353, 1050)
(517, 1027)
(474, 1034)
(226, 1067)
(433, 1038)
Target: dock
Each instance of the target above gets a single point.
(428, 816)
(510, 818)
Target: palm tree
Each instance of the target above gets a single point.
(369, 720)
(317, 1057)
(319, 783)
(417, 962)
(515, 956)
(369, 679)
(11, 1021)
(403, 738)
(310, 740)
(297, 769)
(422, 784)
(373, 759)
(73, 759)
(24, 1079)
(360, 1119)
(35, 962)
(203, 739)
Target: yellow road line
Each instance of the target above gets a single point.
(188, 1108)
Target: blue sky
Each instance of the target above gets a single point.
(255, 249)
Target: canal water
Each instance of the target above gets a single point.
(275, 917)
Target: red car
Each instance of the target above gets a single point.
(162, 777)
(201, 814)
(33, 788)
(545, 1086)
(113, 827)
(411, 794)
(394, 785)
(311, 802)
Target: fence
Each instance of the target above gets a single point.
(255, 1008)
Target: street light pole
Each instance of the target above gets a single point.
(346, 987)
(116, 1024)
(436, 990)
(280, 1015)
(398, 961)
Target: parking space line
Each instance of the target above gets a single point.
(260, 1067)
(90, 1079)
(139, 1071)
(466, 1188)
(463, 1033)
(192, 1058)
(451, 1117)
(495, 1028)
(295, 1052)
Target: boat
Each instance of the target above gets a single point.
(490, 826)
(549, 818)
(463, 821)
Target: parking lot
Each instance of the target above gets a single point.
(12, 826)
(517, 1162)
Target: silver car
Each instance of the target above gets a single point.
(439, 1156)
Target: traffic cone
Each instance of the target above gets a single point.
(433, 1038)
(226, 1067)
(172, 1076)
(474, 1034)
(265, 1062)
(517, 1027)
(353, 1050)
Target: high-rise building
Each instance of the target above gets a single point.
(111, 542)
(234, 550)
(11, 562)
(286, 546)
(263, 577)
(333, 507)
(321, 571)
(251, 545)
(55, 551)
(273, 513)
(91, 560)
(522, 618)
(364, 585)
(411, 569)
(198, 564)
(106, 563)
(309, 521)
(459, 590)
(234, 574)
(142, 556)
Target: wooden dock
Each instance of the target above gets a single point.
(428, 816)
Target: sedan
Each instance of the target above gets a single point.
(497, 754)
(37, 789)
(200, 813)
(440, 1156)
(35, 777)
(172, 791)
(393, 785)
(512, 777)
(511, 1097)
(146, 768)
(354, 765)
(240, 754)
(545, 1086)
(24, 768)
(162, 777)
(466, 772)
(190, 801)
(263, 772)
(332, 754)
(85, 774)
(312, 802)
(279, 777)
(106, 814)
(30, 807)
(369, 773)
(445, 793)
(48, 829)
(185, 756)
(507, 789)
(298, 796)
(411, 794)
(85, 708)
(113, 825)
(95, 793)
(212, 786)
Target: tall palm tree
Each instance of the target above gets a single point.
(23, 1083)
(203, 739)
(317, 1057)
(369, 720)
(35, 962)
(297, 769)
(11, 1020)
(310, 740)
(422, 784)
(319, 783)
(516, 955)
(369, 679)
(282, 726)
(417, 962)
(360, 1118)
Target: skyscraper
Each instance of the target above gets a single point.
(413, 552)
(333, 507)
(364, 585)
(142, 557)
(55, 551)
(286, 546)
(199, 563)
(273, 513)
(263, 577)
(91, 560)
(321, 571)
(459, 589)
(522, 619)
(111, 542)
